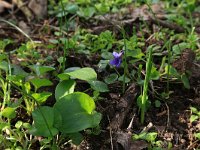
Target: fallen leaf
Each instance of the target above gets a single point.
(4, 4)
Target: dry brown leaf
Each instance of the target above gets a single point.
(39, 7)
(4, 4)
(146, 13)
(22, 6)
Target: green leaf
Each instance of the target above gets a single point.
(64, 88)
(155, 75)
(77, 111)
(102, 7)
(193, 118)
(3, 56)
(4, 65)
(121, 78)
(151, 137)
(194, 110)
(71, 69)
(86, 74)
(197, 135)
(9, 113)
(37, 82)
(157, 103)
(99, 86)
(102, 64)
(76, 138)
(111, 78)
(178, 48)
(43, 122)
(18, 124)
(136, 53)
(107, 55)
(17, 70)
(71, 8)
(41, 70)
(185, 81)
(41, 97)
(87, 12)
(4, 125)
(63, 76)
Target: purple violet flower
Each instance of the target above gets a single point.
(117, 59)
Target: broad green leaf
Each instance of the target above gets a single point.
(194, 110)
(136, 53)
(77, 111)
(86, 12)
(121, 78)
(37, 82)
(155, 75)
(107, 55)
(193, 118)
(43, 118)
(71, 8)
(9, 112)
(63, 76)
(41, 97)
(111, 78)
(185, 81)
(17, 70)
(102, 64)
(64, 88)
(41, 70)
(86, 74)
(178, 48)
(197, 135)
(17, 79)
(99, 86)
(102, 7)
(76, 138)
(151, 136)
(3, 56)
(71, 69)
(4, 125)
(4, 65)
(18, 124)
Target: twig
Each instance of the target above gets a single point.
(111, 139)
(168, 121)
(170, 25)
(149, 126)
(131, 123)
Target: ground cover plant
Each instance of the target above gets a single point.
(98, 74)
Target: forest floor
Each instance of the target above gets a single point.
(174, 113)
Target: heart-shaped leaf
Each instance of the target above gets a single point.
(64, 87)
(77, 112)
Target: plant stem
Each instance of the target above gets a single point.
(169, 63)
(66, 43)
(124, 61)
(146, 82)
